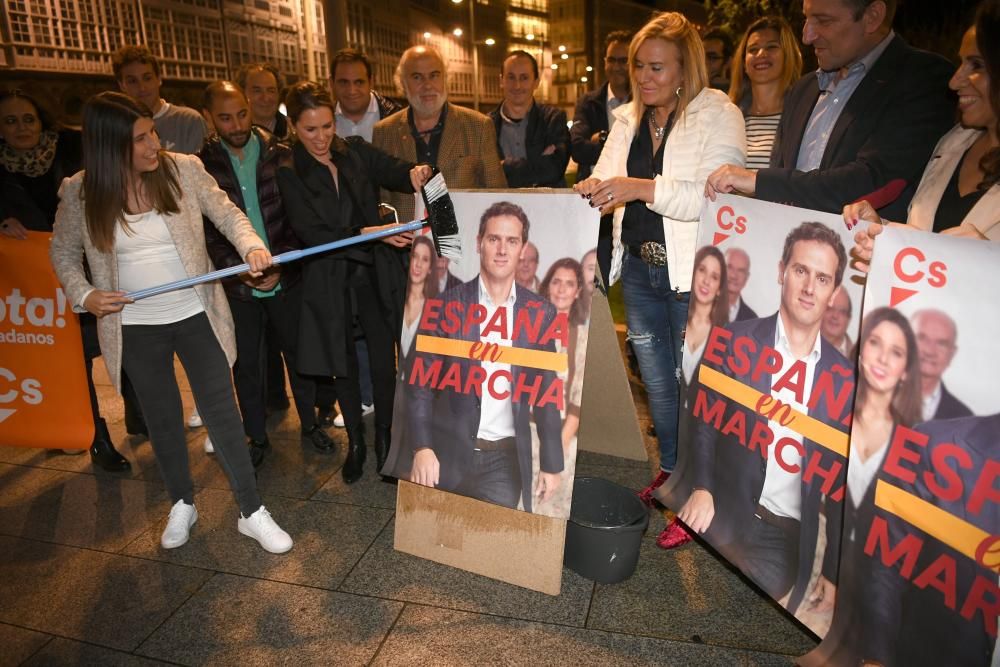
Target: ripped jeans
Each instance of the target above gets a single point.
(656, 316)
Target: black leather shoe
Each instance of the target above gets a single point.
(319, 439)
(383, 439)
(258, 450)
(103, 453)
(356, 451)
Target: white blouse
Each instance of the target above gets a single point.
(147, 257)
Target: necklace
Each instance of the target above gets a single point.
(658, 132)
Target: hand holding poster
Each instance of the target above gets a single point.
(919, 562)
(492, 363)
(44, 400)
(763, 436)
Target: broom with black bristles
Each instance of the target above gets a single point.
(440, 216)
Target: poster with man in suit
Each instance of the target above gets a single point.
(920, 557)
(491, 372)
(762, 470)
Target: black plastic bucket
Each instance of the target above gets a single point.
(605, 529)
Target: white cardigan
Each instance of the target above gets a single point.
(945, 159)
(709, 134)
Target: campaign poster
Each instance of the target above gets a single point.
(767, 384)
(44, 399)
(920, 552)
(493, 350)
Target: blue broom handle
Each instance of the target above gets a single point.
(283, 258)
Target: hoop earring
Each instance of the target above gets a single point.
(679, 90)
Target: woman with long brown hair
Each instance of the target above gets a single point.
(888, 396)
(708, 308)
(136, 213)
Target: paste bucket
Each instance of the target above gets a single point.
(605, 529)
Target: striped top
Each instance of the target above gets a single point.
(760, 139)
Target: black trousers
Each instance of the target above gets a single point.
(148, 356)
(381, 354)
(769, 554)
(494, 476)
(252, 319)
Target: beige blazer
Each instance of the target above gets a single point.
(945, 159)
(200, 195)
(467, 156)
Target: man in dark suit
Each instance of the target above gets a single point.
(737, 275)
(532, 138)
(244, 161)
(937, 336)
(760, 514)
(592, 121)
(871, 114)
(479, 443)
(913, 625)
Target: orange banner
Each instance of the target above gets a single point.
(501, 354)
(748, 397)
(44, 400)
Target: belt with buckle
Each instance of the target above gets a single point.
(495, 445)
(783, 522)
(651, 252)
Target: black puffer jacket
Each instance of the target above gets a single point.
(280, 236)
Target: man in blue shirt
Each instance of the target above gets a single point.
(870, 114)
(244, 160)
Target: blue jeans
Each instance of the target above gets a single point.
(656, 316)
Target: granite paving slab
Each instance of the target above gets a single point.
(106, 599)
(430, 636)
(18, 644)
(385, 572)
(67, 653)
(688, 594)
(97, 512)
(329, 540)
(239, 621)
(369, 491)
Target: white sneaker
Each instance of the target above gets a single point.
(209, 447)
(182, 517)
(365, 411)
(194, 421)
(261, 527)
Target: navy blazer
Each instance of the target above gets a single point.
(745, 312)
(546, 127)
(734, 474)
(887, 130)
(950, 407)
(915, 627)
(448, 421)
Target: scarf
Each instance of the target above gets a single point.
(33, 162)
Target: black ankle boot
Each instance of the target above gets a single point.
(383, 439)
(356, 451)
(103, 453)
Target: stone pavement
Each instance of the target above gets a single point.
(83, 580)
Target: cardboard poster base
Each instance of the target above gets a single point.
(609, 424)
(509, 545)
(500, 543)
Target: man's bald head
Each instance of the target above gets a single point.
(937, 337)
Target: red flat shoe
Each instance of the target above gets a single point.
(673, 536)
(646, 495)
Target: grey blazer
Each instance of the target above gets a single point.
(200, 195)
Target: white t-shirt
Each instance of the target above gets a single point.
(496, 416)
(148, 257)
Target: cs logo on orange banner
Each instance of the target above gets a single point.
(44, 400)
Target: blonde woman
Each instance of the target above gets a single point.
(651, 176)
